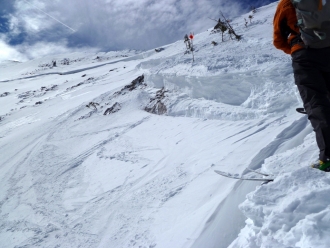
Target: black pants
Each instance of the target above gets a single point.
(311, 69)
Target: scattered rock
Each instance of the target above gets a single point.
(83, 75)
(36, 93)
(74, 86)
(87, 115)
(136, 83)
(25, 95)
(53, 87)
(92, 104)
(38, 103)
(89, 80)
(65, 61)
(46, 65)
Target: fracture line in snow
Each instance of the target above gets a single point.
(69, 72)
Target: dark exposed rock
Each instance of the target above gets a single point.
(38, 103)
(132, 86)
(4, 94)
(115, 108)
(156, 106)
(159, 108)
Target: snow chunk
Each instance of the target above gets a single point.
(291, 212)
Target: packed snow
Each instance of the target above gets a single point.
(119, 149)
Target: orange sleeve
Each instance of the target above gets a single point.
(285, 16)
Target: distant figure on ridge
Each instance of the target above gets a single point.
(187, 42)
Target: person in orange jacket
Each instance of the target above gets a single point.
(311, 69)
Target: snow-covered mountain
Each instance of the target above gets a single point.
(119, 149)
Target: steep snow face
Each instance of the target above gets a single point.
(118, 149)
(293, 211)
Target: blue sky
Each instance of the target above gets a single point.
(26, 32)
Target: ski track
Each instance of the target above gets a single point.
(74, 177)
(287, 134)
(81, 158)
(258, 130)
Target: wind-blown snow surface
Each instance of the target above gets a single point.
(73, 177)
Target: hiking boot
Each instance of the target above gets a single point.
(323, 166)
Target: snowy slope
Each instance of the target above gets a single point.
(114, 175)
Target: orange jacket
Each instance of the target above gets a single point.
(285, 28)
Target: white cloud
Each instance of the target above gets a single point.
(113, 24)
(41, 49)
(9, 53)
(27, 51)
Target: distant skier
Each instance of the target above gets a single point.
(306, 36)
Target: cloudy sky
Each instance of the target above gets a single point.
(34, 28)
